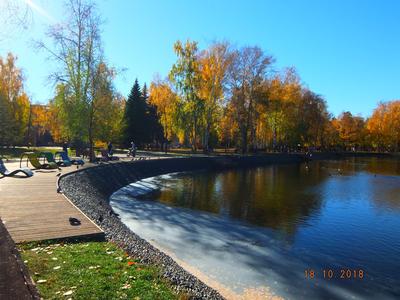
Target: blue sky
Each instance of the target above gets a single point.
(347, 51)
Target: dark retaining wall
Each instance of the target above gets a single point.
(91, 188)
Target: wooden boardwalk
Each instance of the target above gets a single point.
(32, 210)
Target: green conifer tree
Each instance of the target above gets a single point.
(135, 128)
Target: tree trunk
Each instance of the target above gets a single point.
(92, 156)
(165, 144)
(194, 147)
(244, 139)
(206, 139)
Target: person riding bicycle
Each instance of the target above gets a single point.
(110, 149)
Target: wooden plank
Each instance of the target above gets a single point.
(31, 209)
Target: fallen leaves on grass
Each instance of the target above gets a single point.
(41, 281)
(126, 286)
(68, 293)
(94, 267)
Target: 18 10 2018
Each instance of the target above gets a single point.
(335, 273)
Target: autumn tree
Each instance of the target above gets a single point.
(351, 130)
(185, 76)
(44, 125)
(246, 73)
(287, 114)
(286, 97)
(39, 133)
(272, 112)
(64, 107)
(313, 118)
(331, 135)
(377, 128)
(78, 51)
(155, 130)
(14, 103)
(163, 98)
(227, 128)
(213, 65)
(54, 124)
(107, 106)
(6, 120)
(384, 126)
(106, 111)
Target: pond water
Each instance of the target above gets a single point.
(322, 230)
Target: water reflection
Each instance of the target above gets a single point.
(276, 196)
(273, 196)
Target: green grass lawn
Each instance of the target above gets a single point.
(92, 270)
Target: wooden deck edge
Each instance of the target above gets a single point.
(89, 237)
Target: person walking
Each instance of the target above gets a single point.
(110, 149)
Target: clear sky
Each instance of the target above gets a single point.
(346, 50)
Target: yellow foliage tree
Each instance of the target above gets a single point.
(351, 130)
(214, 63)
(165, 100)
(14, 103)
(384, 126)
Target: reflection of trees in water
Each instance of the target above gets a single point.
(195, 191)
(272, 196)
(280, 196)
(387, 166)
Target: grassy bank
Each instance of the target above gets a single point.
(92, 270)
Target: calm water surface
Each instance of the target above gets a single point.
(265, 226)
